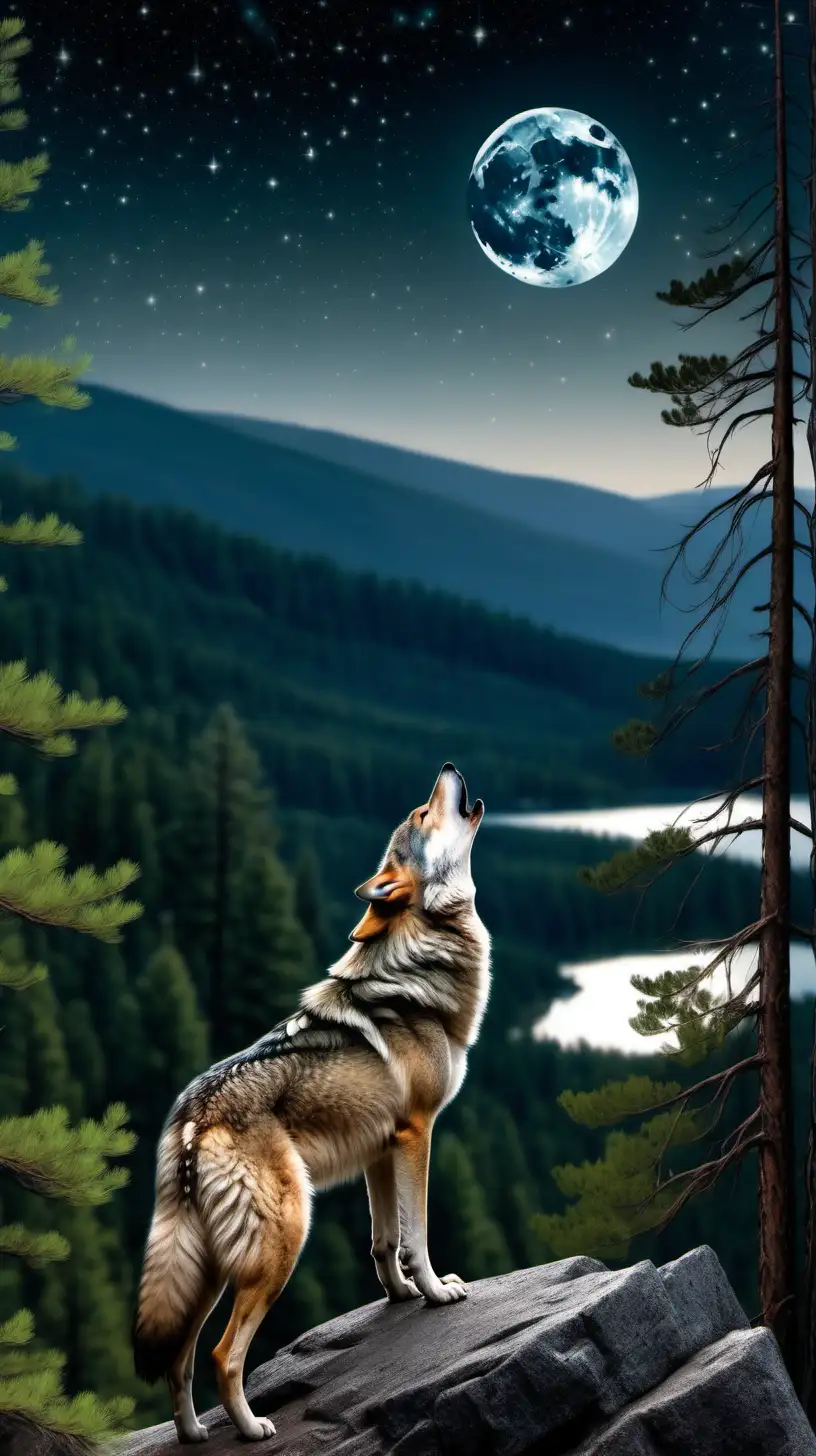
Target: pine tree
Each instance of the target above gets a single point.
(224, 813)
(232, 898)
(174, 1032)
(41, 1150)
(630, 1189)
(270, 958)
(310, 903)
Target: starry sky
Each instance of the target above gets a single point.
(260, 208)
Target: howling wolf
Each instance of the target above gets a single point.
(350, 1084)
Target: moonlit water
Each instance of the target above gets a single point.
(635, 822)
(599, 1011)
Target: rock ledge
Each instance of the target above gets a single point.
(568, 1359)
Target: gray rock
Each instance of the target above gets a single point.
(566, 1358)
(732, 1399)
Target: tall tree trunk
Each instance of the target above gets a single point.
(808, 1312)
(776, 1186)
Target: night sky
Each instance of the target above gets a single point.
(261, 209)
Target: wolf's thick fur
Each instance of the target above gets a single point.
(350, 1084)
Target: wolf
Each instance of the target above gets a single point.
(350, 1084)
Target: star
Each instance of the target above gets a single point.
(213, 166)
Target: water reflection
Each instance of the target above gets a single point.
(599, 1011)
(636, 821)
(604, 1000)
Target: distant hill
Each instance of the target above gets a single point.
(579, 560)
(353, 689)
(583, 513)
(158, 455)
(689, 505)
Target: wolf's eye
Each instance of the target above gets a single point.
(423, 815)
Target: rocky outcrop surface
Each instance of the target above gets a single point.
(569, 1359)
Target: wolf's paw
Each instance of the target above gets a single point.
(405, 1289)
(193, 1434)
(446, 1290)
(258, 1429)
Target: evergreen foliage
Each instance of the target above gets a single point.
(176, 1039)
(24, 376)
(40, 1149)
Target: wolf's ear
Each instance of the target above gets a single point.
(386, 886)
(381, 891)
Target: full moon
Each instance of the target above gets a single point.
(553, 197)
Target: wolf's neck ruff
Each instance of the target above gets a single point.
(418, 964)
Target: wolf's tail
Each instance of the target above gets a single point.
(176, 1274)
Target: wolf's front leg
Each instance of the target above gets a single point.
(412, 1156)
(385, 1229)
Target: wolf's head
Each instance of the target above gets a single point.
(427, 863)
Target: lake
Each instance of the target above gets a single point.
(604, 1000)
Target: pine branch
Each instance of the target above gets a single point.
(39, 1398)
(712, 286)
(38, 376)
(18, 1362)
(17, 181)
(50, 1157)
(617, 1100)
(637, 738)
(18, 977)
(613, 1194)
(34, 709)
(684, 711)
(36, 1249)
(20, 272)
(700, 1179)
(17, 1330)
(681, 381)
(659, 849)
(34, 886)
(48, 531)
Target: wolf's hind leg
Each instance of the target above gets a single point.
(259, 1268)
(385, 1229)
(180, 1378)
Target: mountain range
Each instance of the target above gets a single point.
(583, 561)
